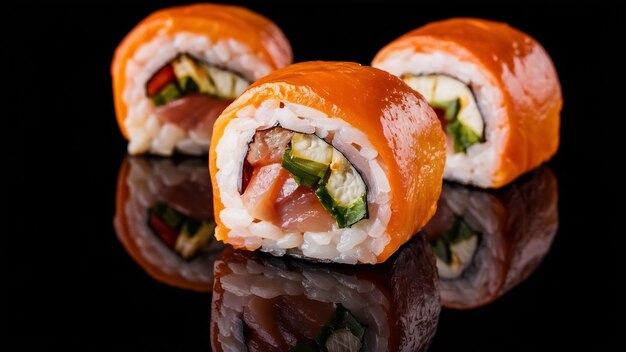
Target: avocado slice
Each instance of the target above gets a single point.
(424, 84)
(307, 157)
(451, 108)
(166, 94)
(195, 236)
(341, 321)
(191, 76)
(455, 248)
(463, 136)
(343, 340)
(343, 193)
(465, 124)
(338, 186)
(172, 218)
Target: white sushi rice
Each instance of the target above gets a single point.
(478, 165)
(145, 179)
(146, 133)
(361, 243)
(364, 300)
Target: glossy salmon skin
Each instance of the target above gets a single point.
(215, 22)
(399, 123)
(521, 70)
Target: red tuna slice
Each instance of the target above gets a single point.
(264, 187)
(194, 112)
(302, 211)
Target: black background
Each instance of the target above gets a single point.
(71, 285)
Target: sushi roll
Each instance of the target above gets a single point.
(263, 303)
(176, 71)
(330, 161)
(487, 242)
(495, 91)
(164, 220)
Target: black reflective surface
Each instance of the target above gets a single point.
(74, 283)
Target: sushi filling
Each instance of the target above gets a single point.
(297, 170)
(455, 105)
(186, 75)
(184, 235)
(323, 326)
(175, 87)
(265, 208)
(342, 332)
(455, 249)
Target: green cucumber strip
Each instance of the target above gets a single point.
(463, 137)
(171, 217)
(341, 319)
(208, 227)
(441, 250)
(327, 329)
(306, 172)
(191, 227)
(194, 76)
(195, 237)
(189, 85)
(459, 231)
(166, 94)
(356, 212)
(345, 216)
(349, 321)
(451, 107)
(315, 174)
(191, 75)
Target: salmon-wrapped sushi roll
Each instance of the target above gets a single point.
(164, 220)
(495, 90)
(262, 303)
(176, 71)
(330, 161)
(487, 242)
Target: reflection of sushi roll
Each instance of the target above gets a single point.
(263, 303)
(329, 161)
(533, 223)
(164, 219)
(486, 242)
(495, 90)
(180, 67)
